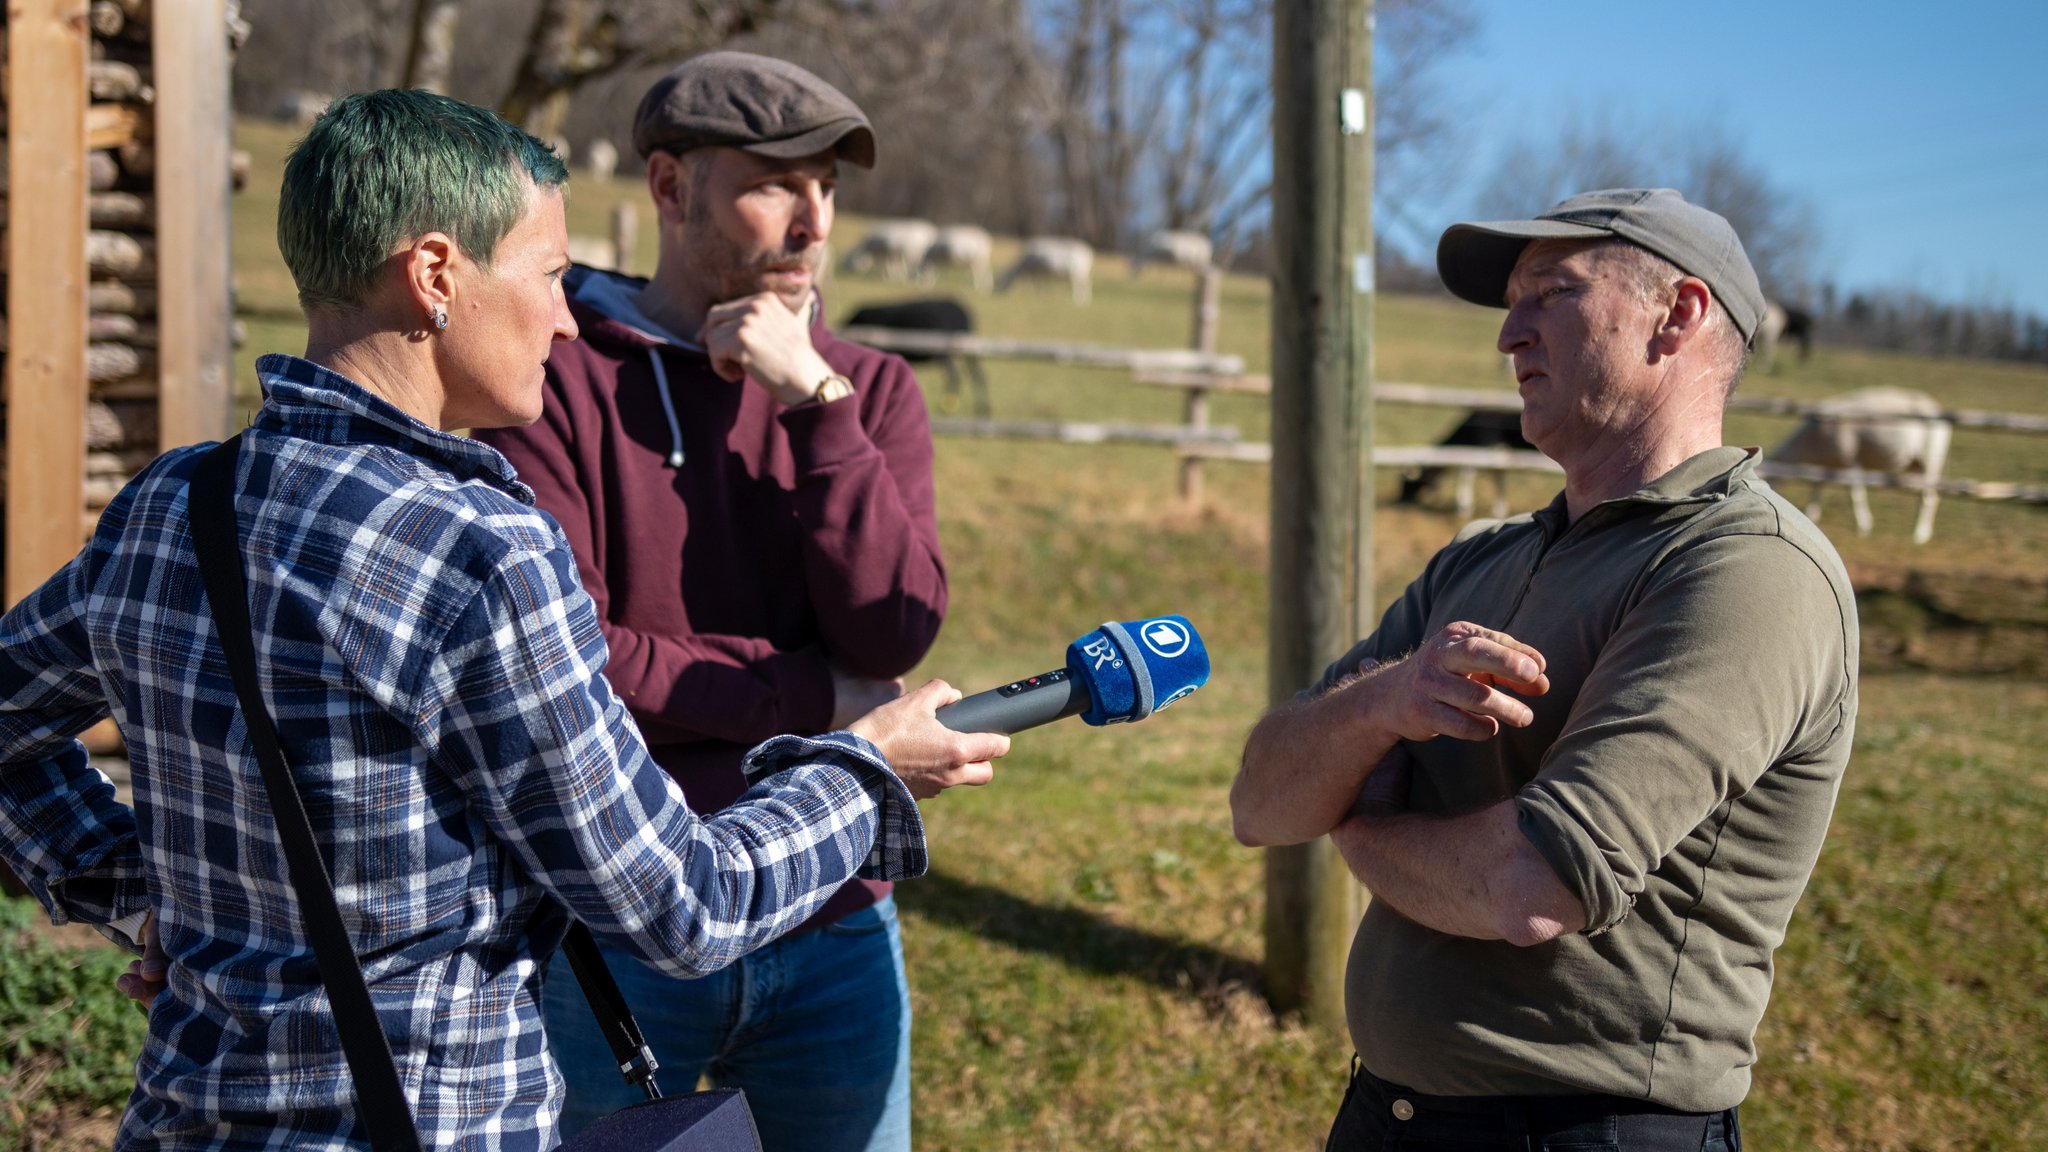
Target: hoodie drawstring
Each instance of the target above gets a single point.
(668, 408)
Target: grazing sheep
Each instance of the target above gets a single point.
(603, 160)
(1189, 250)
(1778, 325)
(303, 107)
(938, 314)
(593, 252)
(1484, 428)
(1889, 430)
(1053, 257)
(896, 247)
(960, 246)
(1763, 352)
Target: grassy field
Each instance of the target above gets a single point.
(1084, 955)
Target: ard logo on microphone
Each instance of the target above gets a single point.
(1165, 638)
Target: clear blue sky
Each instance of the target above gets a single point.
(1917, 132)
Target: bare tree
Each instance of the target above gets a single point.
(430, 54)
(1100, 118)
(572, 42)
(952, 89)
(1156, 109)
(1778, 228)
(1417, 154)
(1151, 111)
(312, 45)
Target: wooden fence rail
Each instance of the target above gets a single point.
(1199, 372)
(1048, 351)
(1082, 432)
(1499, 400)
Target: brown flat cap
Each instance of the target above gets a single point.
(766, 106)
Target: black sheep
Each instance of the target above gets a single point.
(937, 314)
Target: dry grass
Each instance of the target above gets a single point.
(1084, 956)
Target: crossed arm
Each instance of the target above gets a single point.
(1471, 874)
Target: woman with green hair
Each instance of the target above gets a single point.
(433, 667)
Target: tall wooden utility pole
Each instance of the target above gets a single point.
(1321, 598)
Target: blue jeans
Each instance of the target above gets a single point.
(814, 1027)
(1382, 1117)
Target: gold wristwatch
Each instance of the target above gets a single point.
(833, 387)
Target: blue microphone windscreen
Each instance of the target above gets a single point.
(1135, 668)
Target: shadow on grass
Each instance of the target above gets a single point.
(1080, 939)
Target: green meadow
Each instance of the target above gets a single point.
(1085, 953)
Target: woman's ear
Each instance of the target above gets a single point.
(431, 274)
(1685, 319)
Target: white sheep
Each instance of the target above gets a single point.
(1888, 430)
(960, 246)
(1770, 327)
(603, 161)
(896, 247)
(1189, 250)
(593, 252)
(1053, 257)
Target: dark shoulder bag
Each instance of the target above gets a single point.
(716, 1121)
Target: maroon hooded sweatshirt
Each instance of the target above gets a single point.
(797, 538)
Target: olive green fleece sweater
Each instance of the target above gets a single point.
(1679, 776)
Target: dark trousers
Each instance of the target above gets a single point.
(1380, 1117)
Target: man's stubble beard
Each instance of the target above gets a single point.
(734, 274)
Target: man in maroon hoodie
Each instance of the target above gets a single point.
(750, 504)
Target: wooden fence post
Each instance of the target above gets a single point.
(48, 47)
(1322, 468)
(625, 234)
(1208, 317)
(189, 55)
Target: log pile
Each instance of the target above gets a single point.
(121, 360)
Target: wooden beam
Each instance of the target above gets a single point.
(1077, 432)
(194, 314)
(1320, 598)
(1436, 395)
(1054, 351)
(1418, 456)
(1500, 400)
(1248, 385)
(48, 49)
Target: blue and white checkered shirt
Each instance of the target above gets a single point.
(433, 665)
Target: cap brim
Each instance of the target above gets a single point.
(852, 140)
(1475, 260)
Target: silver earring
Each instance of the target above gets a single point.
(440, 319)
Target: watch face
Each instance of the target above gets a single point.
(835, 387)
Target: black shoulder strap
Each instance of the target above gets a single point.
(217, 540)
(380, 1100)
(614, 1015)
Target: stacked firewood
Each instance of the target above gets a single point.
(121, 328)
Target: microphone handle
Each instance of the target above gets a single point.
(1026, 703)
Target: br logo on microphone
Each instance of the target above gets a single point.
(1104, 652)
(1165, 638)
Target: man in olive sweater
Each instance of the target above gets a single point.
(750, 503)
(1586, 762)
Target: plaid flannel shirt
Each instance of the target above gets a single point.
(433, 666)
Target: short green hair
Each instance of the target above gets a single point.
(380, 169)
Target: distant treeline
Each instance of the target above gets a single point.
(1906, 321)
(1100, 119)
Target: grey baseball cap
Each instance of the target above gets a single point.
(1475, 259)
(766, 106)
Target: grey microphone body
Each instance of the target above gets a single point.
(1021, 704)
